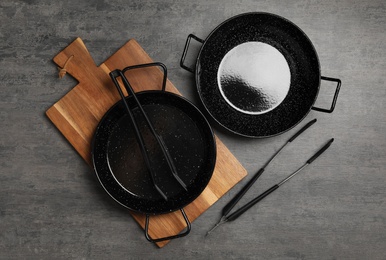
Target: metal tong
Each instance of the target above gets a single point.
(228, 207)
(120, 73)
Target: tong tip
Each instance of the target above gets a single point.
(161, 192)
(170, 161)
(222, 220)
(180, 182)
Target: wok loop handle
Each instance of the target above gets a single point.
(187, 231)
(190, 36)
(338, 81)
(152, 64)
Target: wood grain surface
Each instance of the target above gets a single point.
(78, 113)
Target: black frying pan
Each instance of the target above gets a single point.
(258, 74)
(120, 166)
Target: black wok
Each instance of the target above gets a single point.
(258, 74)
(119, 163)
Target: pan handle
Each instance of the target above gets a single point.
(335, 96)
(153, 64)
(190, 36)
(188, 228)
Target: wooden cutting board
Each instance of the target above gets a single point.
(77, 114)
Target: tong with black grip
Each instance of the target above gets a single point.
(226, 210)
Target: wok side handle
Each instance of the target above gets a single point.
(153, 64)
(190, 36)
(338, 81)
(188, 228)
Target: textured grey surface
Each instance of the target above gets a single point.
(52, 206)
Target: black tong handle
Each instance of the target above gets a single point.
(247, 206)
(228, 207)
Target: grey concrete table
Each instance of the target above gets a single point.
(52, 206)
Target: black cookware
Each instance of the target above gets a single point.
(176, 129)
(258, 74)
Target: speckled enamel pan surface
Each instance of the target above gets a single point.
(119, 164)
(258, 74)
